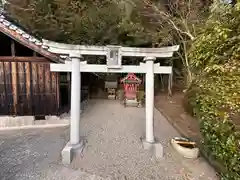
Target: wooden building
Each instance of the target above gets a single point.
(27, 87)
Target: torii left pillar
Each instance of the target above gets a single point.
(75, 144)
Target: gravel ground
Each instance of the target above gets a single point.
(34, 154)
(113, 147)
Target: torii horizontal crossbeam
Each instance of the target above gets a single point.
(104, 68)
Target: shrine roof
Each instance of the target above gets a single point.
(14, 31)
(131, 77)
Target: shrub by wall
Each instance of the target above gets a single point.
(214, 97)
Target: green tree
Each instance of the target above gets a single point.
(82, 22)
(178, 22)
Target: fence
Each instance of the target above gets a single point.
(28, 88)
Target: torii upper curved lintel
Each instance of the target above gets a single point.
(62, 48)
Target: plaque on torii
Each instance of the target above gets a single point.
(131, 86)
(114, 57)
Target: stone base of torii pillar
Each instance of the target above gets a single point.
(154, 148)
(69, 151)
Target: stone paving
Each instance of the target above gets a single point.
(113, 150)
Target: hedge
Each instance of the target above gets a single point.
(214, 96)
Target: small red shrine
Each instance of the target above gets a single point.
(131, 86)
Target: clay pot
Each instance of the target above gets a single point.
(187, 150)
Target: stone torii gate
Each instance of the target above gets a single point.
(114, 54)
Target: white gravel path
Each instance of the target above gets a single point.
(34, 154)
(114, 149)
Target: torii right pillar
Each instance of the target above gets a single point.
(149, 88)
(149, 142)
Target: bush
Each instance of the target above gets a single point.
(214, 97)
(215, 111)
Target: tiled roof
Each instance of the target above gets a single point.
(18, 34)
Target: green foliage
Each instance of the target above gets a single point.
(83, 22)
(215, 93)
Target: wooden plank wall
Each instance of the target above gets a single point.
(28, 88)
